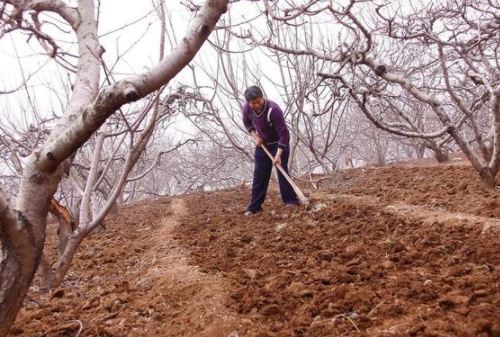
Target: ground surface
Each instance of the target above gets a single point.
(397, 251)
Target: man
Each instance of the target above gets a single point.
(264, 120)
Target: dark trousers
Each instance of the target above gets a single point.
(262, 174)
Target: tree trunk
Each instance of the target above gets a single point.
(18, 264)
(46, 273)
(54, 277)
(442, 154)
(75, 209)
(420, 151)
(15, 279)
(487, 153)
(381, 161)
(488, 178)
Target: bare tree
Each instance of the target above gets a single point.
(215, 108)
(443, 56)
(23, 227)
(95, 191)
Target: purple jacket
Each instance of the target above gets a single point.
(269, 124)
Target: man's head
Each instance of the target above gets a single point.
(254, 97)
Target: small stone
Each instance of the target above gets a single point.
(353, 262)
(427, 282)
(461, 299)
(387, 264)
(310, 263)
(252, 273)
(399, 246)
(353, 315)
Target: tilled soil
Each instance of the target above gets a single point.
(131, 279)
(453, 188)
(397, 251)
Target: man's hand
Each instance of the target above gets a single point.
(257, 139)
(277, 158)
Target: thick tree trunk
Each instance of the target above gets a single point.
(19, 261)
(15, 279)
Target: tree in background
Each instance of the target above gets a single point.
(387, 56)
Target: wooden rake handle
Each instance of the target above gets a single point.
(300, 195)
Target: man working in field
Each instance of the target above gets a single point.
(264, 120)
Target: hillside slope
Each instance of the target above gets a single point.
(396, 251)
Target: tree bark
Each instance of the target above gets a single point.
(54, 277)
(441, 155)
(66, 223)
(18, 263)
(488, 178)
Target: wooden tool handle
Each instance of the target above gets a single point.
(300, 195)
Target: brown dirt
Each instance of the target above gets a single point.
(133, 279)
(407, 250)
(453, 188)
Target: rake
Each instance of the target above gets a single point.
(302, 198)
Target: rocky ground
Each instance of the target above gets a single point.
(406, 250)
